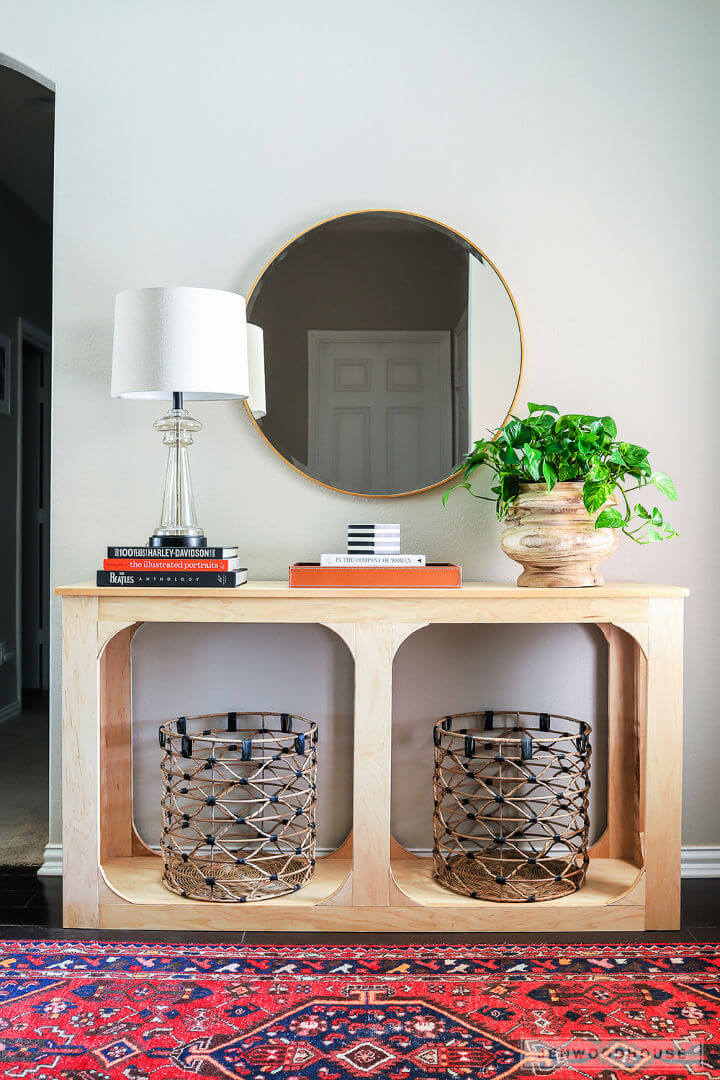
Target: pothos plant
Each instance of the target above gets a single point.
(546, 447)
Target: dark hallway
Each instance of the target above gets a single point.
(26, 200)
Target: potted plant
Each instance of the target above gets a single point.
(563, 486)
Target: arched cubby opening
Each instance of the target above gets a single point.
(456, 668)
(191, 669)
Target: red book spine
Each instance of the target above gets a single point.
(166, 564)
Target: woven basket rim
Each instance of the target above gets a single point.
(508, 734)
(258, 734)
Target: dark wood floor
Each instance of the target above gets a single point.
(32, 907)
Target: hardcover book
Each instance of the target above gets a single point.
(373, 559)
(172, 553)
(202, 579)
(432, 576)
(171, 564)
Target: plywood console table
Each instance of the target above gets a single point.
(112, 880)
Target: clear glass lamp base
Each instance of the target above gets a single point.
(178, 520)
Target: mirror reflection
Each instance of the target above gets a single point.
(391, 344)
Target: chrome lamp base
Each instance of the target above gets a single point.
(178, 520)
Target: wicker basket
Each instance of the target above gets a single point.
(511, 805)
(238, 805)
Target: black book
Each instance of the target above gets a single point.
(172, 579)
(172, 553)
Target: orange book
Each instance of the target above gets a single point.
(163, 565)
(432, 576)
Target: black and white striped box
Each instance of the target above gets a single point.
(373, 539)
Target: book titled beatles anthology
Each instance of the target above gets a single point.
(169, 579)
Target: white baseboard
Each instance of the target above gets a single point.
(697, 861)
(10, 711)
(52, 861)
(701, 861)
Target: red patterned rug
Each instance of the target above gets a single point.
(91, 1011)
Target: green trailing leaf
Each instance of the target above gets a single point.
(664, 484)
(598, 470)
(632, 455)
(587, 445)
(568, 471)
(532, 457)
(610, 519)
(541, 422)
(549, 474)
(455, 487)
(595, 494)
(556, 446)
(515, 432)
(576, 447)
(471, 468)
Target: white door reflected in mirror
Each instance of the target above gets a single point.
(379, 415)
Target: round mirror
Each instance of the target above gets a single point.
(391, 344)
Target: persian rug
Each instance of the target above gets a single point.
(91, 1011)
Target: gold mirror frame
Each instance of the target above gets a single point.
(483, 257)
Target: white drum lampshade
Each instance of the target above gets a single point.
(256, 366)
(180, 340)
(179, 343)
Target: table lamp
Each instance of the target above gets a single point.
(179, 343)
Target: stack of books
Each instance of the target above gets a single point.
(168, 568)
(373, 560)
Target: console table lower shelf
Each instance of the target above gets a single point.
(113, 881)
(133, 897)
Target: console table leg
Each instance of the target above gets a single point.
(81, 820)
(371, 764)
(663, 764)
(374, 645)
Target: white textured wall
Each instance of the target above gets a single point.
(576, 142)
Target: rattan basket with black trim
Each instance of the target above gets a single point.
(511, 804)
(238, 805)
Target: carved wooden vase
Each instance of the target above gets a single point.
(554, 537)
